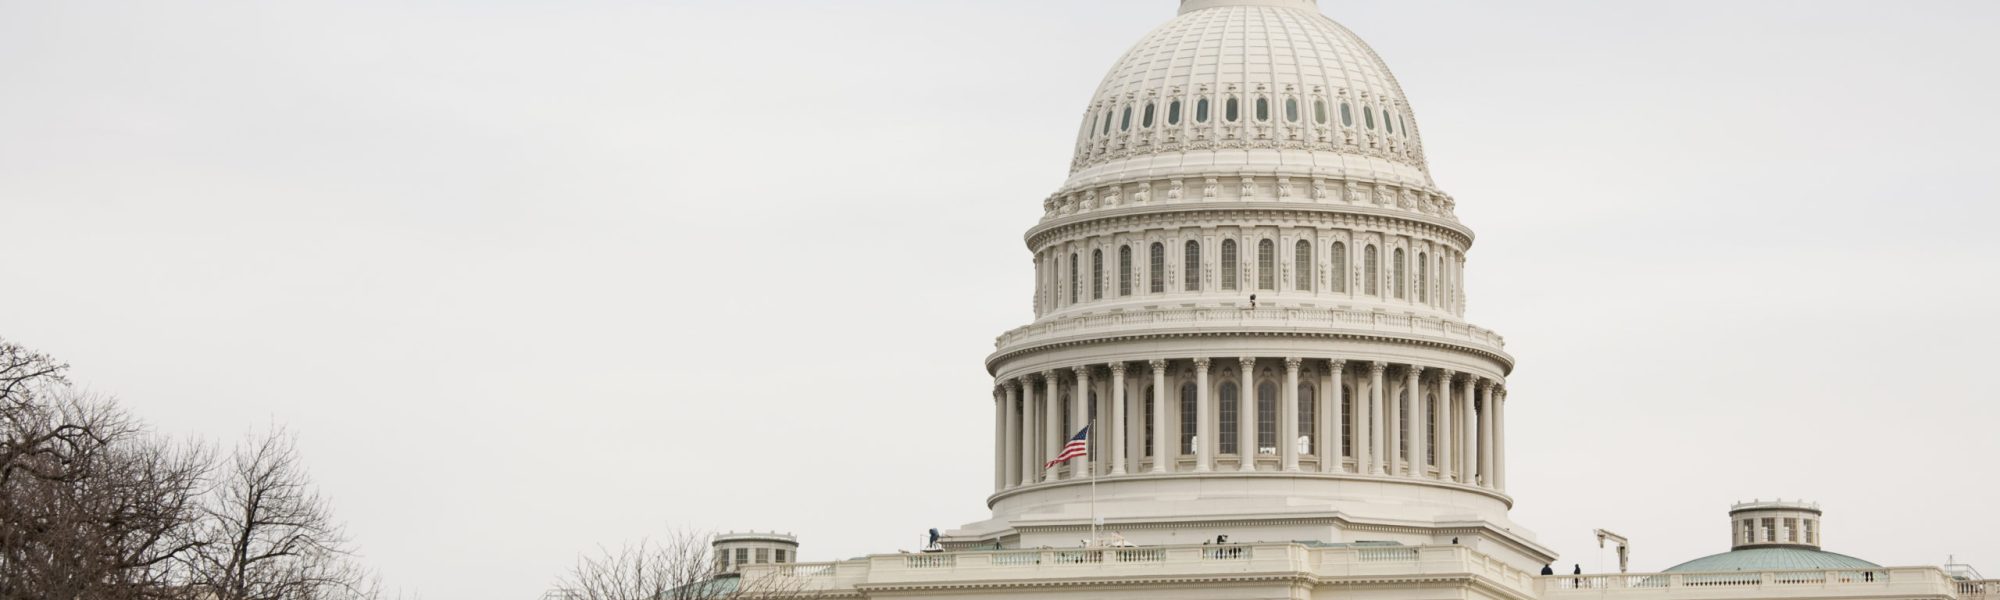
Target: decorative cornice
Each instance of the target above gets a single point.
(1136, 220)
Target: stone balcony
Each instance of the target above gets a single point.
(1901, 583)
(1245, 562)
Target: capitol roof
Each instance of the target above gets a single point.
(1772, 559)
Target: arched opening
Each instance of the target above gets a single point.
(1229, 264)
(1124, 270)
(1097, 274)
(1302, 264)
(1158, 263)
(1073, 281)
(1338, 260)
(1188, 419)
(1267, 265)
(1371, 266)
(1227, 425)
(1308, 420)
(1191, 266)
(1397, 264)
(1267, 418)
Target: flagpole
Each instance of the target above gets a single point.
(1094, 543)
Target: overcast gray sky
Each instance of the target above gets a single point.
(511, 269)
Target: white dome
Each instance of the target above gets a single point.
(1308, 97)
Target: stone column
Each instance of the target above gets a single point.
(1013, 416)
(1447, 448)
(1288, 415)
(1419, 409)
(1486, 433)
(1052, 422)
(1378, 420)
(999, 440)
(1500, 438)
(1204, 412)
(1246, 414)
(1468, 436)
(1030, 423)
(1393, 421)
(1332, 423)
(1117, 418)
(1079, 418)
(1161, 458)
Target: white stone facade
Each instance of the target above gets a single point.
(1253, 291)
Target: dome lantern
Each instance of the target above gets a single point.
(1760, 523)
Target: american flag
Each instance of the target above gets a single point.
(1077, 446)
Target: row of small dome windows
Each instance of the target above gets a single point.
(1266, 276)
(1232, 112)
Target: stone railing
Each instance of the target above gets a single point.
(1900, 582)
(1986, 589)
(940, 569)
(1182, 320)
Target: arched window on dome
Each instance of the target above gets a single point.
(1125, 119)
(1292, 110)
(1267, 265)
(1346, 115)
(1124, 271)
(1400, 126)
(1191, 267)
(1367, 118)
(1232, 110)
(1388, 122)
(1226, 426)
(1147, 120)
(1092, 128)
(1096, 274)
(1073, 287)
(1371, 270)
(1107, 122)
(1308, 420)
(1201, 111)
(1267, 418)
(1399, 272)
(1174, 113)
(1302, 265)
(1263, 109)
(1229, 264)
(1347, 418)
(1319, 111)
(1337, 260)
(1431, 430)
(1159, 268)
(1423, 277)
(1188, 418)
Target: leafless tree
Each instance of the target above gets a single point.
(94, 506)
(269, 535)
(680, 566)
(91, 504)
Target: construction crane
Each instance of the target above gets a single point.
(1624, 547)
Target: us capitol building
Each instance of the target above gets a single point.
(1252, 287)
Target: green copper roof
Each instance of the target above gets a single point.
(1772, 559)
